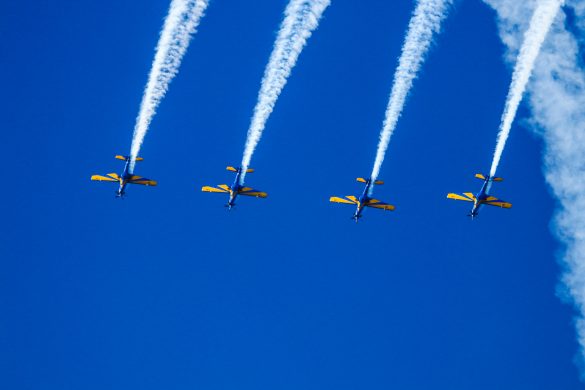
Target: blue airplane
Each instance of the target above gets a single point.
(236, 188)
(364, 200)
(482, 196)
(125, 178)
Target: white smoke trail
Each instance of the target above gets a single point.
(181, 22)
(424, 24)
(300, 20)
(557, 102)
(540, 23)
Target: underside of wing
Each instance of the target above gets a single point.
(336, 199)
(248, 191)
(378, 204)
(104, 178)
(460, 197)
(141, 180)
(499, 203)
(213, 189)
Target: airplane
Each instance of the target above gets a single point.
(236, 188)
(364, 200)
(482, 196)
(126, 177)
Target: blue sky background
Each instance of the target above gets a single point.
(166, 289)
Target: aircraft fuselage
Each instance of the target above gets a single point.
(124, 180)
(480, 198)
(234, 190)
(362, 201)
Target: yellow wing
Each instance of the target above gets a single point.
(110, 177)
(336, 199)
(459, 197)
(213, 189)
(378, 204)
(492, 201)
(247, 191)
(353, 199)
(141, 180)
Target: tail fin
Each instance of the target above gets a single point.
(126, 158)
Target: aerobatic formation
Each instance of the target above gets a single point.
(523, 27)
(301, 18)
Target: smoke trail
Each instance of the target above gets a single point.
(557, 102)
(181, 22)
(301, 18)
(425, 22)
(540, 24)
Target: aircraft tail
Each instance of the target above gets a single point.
(232, 169)
(126, 158)
(484, 177)
(362, 180)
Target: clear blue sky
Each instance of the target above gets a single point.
(167, 290)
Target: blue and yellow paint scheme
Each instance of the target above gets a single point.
(125, 178)
(482, 197)
(236, 189)
(364, 200)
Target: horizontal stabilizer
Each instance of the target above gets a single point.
(232, 169)
(125, 158)
(483, 177)
(459, 197)
(362, 180)
(213, 189)
(336, 199)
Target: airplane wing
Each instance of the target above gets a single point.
(466, 198)
(378, 204)
(492, 201)
(353, 199)
(336, 199)
(142, 181)
(247, 191)
(109, 177)
(213, 189)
